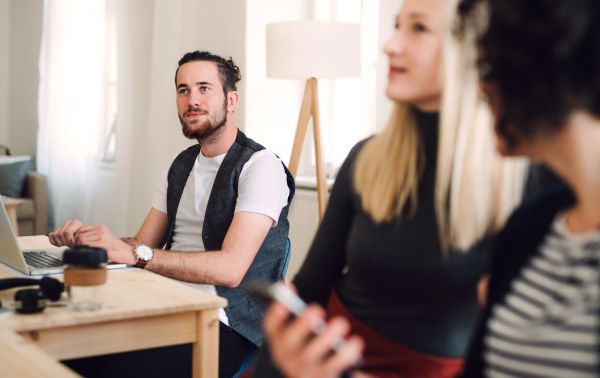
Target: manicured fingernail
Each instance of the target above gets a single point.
(318, 326)
(338, 343)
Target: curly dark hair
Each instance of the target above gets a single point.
(229, 73)
(542, 56)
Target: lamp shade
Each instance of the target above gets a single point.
(305, 49)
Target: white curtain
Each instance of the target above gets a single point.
(162, 119)
(71, 102)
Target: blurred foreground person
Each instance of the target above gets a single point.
(539, 62)
(405, 237)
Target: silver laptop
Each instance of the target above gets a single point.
(30, 262)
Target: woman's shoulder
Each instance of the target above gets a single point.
(358, 147)
(345, 174)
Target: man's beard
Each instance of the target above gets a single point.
(209, 130)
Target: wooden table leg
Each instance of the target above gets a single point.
(205, 360)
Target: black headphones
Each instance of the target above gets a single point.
(31, 301)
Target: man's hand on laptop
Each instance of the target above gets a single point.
(73, 233)
(101, 237)
(64, 236)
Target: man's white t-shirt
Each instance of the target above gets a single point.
(262, 188)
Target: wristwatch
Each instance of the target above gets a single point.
(143, 254)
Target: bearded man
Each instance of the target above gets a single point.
(227, 195)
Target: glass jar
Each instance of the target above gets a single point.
(85, 275)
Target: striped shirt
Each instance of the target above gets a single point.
(547, 325)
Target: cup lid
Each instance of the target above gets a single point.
(84, 255)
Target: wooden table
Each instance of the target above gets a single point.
(20, 358)
(141, 310)
(11, 205)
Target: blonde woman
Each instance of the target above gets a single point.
(404, 240)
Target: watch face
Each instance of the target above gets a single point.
(144, 252)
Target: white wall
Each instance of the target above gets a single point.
(26, 17)
(211, 25)
(4, 68)
(141, 15)
(219, 27)
(141, 20)
(20, 40)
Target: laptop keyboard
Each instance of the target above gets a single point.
(41, 259)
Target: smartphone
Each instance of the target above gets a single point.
(279, 292)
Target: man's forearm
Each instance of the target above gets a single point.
(226, 267)
(211, 268)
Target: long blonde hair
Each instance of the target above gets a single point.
(476, 189)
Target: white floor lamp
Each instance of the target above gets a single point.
(310, 50)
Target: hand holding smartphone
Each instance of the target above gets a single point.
(277, 292)
(283, 294)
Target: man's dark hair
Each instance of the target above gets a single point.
(229, 73)
(543, 57)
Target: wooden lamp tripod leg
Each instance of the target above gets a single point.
(320, 159)
(305, 113)
(310, 106)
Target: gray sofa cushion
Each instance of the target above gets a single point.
(13, 171)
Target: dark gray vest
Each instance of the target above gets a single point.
(245, 313)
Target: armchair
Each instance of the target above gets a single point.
(32, 215)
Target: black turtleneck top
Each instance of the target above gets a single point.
(393, 277)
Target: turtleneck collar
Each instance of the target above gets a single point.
(427, 119)
(428, 123)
